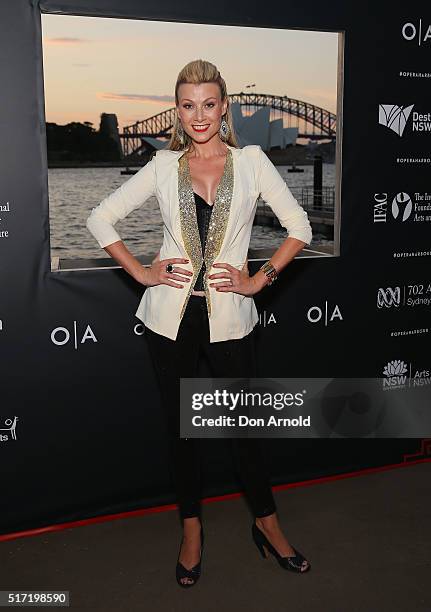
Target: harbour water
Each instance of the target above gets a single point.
(73, 192)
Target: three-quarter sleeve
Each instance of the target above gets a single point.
(278, 196)
(120, 203)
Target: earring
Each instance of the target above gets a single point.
(224, 130)
(180, 133)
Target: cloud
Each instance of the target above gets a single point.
(130, 97)
(324, 95)
(65, 40)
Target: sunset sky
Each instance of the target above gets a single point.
(129, 67)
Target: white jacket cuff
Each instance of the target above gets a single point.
(278, 196)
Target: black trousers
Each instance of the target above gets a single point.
(174, 359)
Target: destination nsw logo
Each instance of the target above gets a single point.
(402, 207)
(395, 118)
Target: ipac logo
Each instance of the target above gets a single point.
(418, 33)
(402, 207)
(395, 118)
(8, 429)
(388, 297)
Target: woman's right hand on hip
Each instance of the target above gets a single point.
(157, 274)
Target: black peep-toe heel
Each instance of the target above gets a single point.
(292, 563)
(192, 573)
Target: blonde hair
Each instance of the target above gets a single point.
(196, 72)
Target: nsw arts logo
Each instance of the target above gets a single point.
(399, 374)
(8, 429)
(402, 207)
(396, 117)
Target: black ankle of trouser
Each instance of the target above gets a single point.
(265, 512)
(190, 509)
(186, 515)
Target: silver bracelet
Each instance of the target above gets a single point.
(270, 271)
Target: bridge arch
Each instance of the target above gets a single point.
(322, 122)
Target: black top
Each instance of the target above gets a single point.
(203, 215)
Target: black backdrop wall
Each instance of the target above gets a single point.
(89, 435)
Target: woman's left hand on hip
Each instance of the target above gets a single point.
(236, 281)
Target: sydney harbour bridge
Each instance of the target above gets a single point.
(307, 120)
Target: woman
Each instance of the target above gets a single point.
(207, 188)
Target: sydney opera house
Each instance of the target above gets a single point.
(256, 128)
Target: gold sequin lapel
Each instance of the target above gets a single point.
(218, 223)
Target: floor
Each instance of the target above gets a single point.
(368, 539)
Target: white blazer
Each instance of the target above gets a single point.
(248, 172)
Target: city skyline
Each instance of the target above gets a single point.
(129, 67)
